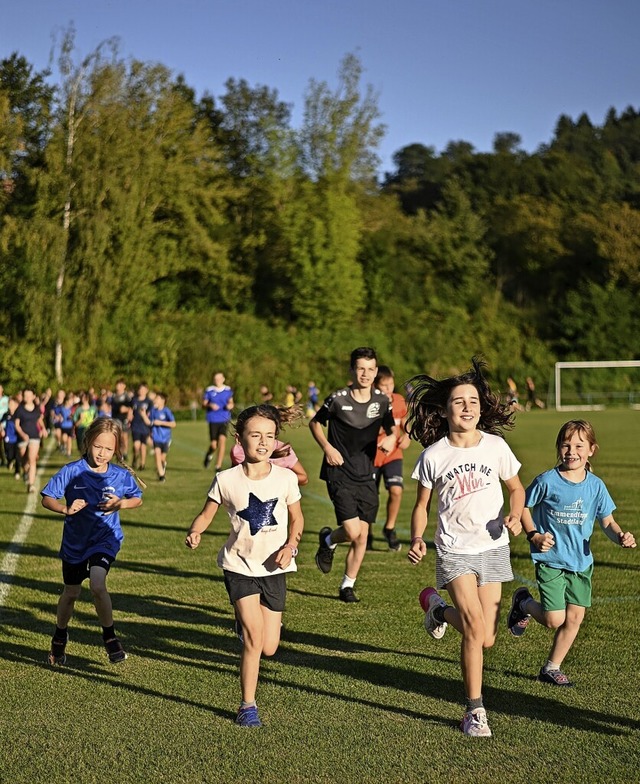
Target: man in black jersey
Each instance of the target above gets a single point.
(354, 416)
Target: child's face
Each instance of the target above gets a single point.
(575, 451)
(463, 409)
(364, 373)
(159, 401)
(258, 439)
(385, 385)
(101, 451)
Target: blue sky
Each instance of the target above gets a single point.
(443, 69)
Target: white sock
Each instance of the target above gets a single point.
(329, 543)
(347, 582)
(551, 666)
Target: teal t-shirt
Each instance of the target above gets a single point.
(568, 511)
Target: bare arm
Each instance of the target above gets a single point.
(616, 534)
(301, 474)
(200, 524)
(512, 521)
(334, 458)
(296, 526)
(419, 517)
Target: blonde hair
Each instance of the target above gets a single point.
(103, 425)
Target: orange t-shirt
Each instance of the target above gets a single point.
(399, 411)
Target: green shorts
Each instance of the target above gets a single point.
(559, 587)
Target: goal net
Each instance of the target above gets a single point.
(588, 386)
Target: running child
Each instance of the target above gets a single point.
(389, 466)
(218, 402)
(460, 422)
(141, 405)
(90, 492)
(263, 504)
(162, 423)
(30, 427)
(9, 436)
(562, 505)
(354, 416)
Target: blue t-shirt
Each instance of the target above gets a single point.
(137, 423)
(10, 434)
(66, 417)
(160, 434)
(90, 530)
(568, 511)
(220, 397)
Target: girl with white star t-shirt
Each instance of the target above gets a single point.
(263, 504)
(459, 421)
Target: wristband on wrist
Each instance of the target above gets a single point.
(531, 534)
(294, 550)
(417, 539)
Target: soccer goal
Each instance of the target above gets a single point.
(590, 386)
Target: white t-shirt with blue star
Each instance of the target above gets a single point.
(259, 519)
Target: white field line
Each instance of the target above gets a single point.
(10, 561)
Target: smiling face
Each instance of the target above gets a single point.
(364, 373)
(574, 452)
(258, 439)
(101, 451)
(463, 409)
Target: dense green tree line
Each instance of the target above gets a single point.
(148, 232)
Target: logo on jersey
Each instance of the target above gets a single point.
(373, 412)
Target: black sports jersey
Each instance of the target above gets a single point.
(353, 430)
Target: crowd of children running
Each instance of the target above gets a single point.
(362, 430)
(27, 417)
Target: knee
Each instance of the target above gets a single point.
(554, 620)
(473, 630)
(489, 640)
(98, 591)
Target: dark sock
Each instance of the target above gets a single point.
(438, 614)
(60, 634)
(473, 704)
(108, 632)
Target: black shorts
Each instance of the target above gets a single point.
(354, 499)
(272, 589)
(126, 424)
(163, 446)
(140, 434)
(391, 473)
(217, 429)
(74, 574)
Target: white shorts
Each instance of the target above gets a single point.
(490, 566)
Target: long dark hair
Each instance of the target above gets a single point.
(428, 398)
(281, 416)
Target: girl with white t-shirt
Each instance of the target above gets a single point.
(263, 504)
(459, 421)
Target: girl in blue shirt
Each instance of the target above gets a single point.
(562, 507)
(90, 492)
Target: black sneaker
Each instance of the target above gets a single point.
(207, 459)
(392, 539)
(115, 651)
(517, 621)
(324, 556)
(348, 595)
(57, 654)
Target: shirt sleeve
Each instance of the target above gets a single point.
(422, 472)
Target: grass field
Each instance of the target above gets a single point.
(356, 693)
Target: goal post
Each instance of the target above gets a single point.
(580, 397)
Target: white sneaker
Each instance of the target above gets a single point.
(429, 600)
(474, 724)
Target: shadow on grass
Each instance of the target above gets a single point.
(89, 670)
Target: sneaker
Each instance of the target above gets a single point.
(392, 539)
(429, 600)
(248, 717)
(474, 724)
(554, 677)
(207, 459)
(115, 651)
(237, 628)
(162, 478)
(517, 621)
(57, 654)
(324, 556)
(348, 595)
(31, 489)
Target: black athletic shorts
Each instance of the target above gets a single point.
(354, 499)
(217, 429)
(272, 589)
(391, 473)
(74, 574)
